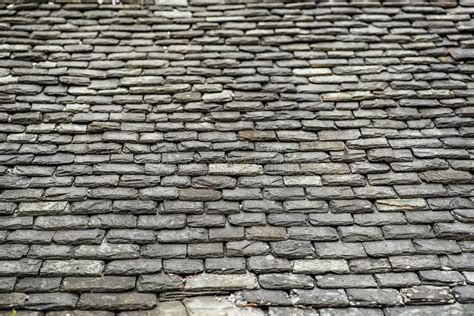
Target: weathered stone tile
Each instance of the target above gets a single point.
(134, 207)
(354, 206)
(265, 206)
(283, 219)
(389, 205)
(48, 301)
(313, 233)
(183, 266)
(239, 194)
(24, 236)
(427, 309)
(264, 297)
(321, 297)
(359, 233)
(100, 284)
(246, 248)
(289, 147)
(355, 311)
(159, 282)
(203, 220)
(221, 282)
(320, 266)
(306, 206)
(464, 294)
(228, 233)
(345, 281)
(285, 281)
(43, 208)
(72, 268)
(117, 301)
(458, 231)
(292, 249)
(9, 300)
(61, 222)
(105, 221)
(235, 169)
(247, 219)
(186, 235)
(403, 279)
(133, 267)
(265, 233)
(107, 251)
(327, 193)
(268, 264)
(202, 305)
(7, 284)
(79, 237)
(225, 265)
(159, 193)
(427, 294)
(414, 262)
(172, 308)
(339, 250)
(428, 217)
(437, 277)
(35, 284)
(388, 248)
(420, 191)
(186, 207)
(374, 297)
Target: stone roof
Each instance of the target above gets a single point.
(296, 158)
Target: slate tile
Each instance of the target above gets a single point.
(246, 248)
(8, 284)
(118, 301)
(370, 265)
(321, 297)
(221, 281)
(436, 277)
(291, 140)
(339, 250)
(414, 262)
(133, 267)
(100, 284)
(345, 281)
(265, 297)
(426, 294)
(71, 268)
(51, 301)
(159, 282)
(225, 265)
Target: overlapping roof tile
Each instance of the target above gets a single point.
(239, 157)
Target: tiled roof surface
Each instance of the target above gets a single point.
(303, 158)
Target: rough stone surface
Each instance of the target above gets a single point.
(119, 301)
(208, 305)
(221, 282)
(236, 157)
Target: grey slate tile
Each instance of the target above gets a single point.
(192, 149)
